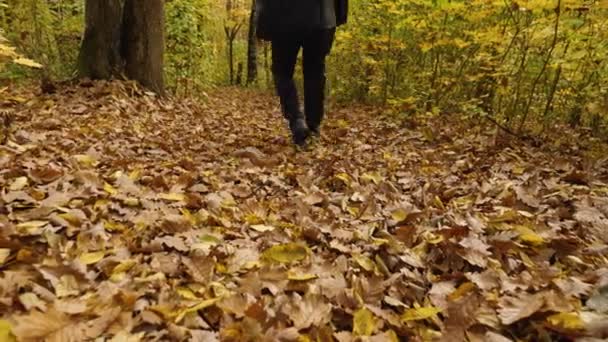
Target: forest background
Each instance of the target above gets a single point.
(525, 65)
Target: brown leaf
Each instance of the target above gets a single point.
(476, 251)
(200, 269)
(310, 311)
(38, 325)
(513, 309)
(46, 173)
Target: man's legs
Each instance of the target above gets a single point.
(317, 46)
(284, 58)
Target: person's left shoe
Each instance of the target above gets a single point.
(299, 130)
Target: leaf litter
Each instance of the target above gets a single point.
(128, 217)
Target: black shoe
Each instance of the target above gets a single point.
(299, 131)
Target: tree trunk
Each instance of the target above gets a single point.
(100, 56)
(124, 37)
(143, 45)
(252, 49)
(231, 59)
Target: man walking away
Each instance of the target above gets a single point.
(311, 25)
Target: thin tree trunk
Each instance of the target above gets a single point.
(252, 48)
(100, 56)
(231, 59)
(144, 42)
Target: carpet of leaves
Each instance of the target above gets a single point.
(124, 217)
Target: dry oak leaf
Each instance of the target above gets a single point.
(512, 309)
(476, 251)
(310, 311)
(56, 326)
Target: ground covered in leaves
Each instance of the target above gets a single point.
(126, 218)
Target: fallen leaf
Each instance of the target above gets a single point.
(566, 320)
(18, 184)
(91, 258)
(513, 309)
(200, 306)
(418, 314)
(4, 254)
(286, 253)
(364, 262)
(6, 334)
(364, 323)
(262, 228)
(310, 311)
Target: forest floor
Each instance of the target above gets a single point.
(127, 217)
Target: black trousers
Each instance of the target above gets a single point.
(316, 46)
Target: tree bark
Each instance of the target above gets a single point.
(124, 37)
(252, 49)
(143, 45)
(100, 56)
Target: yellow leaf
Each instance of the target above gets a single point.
(186, 293)
(4, 253)
(120, 271)
(124, 266)
(85, 160)
(70, 218)
(188, 215)
(262, 228)
(304, 338)
(99, 204)
(209, 240)
(18, 184)
(219, 290)
(461, 291)
(291, 275)
(200, 306)
(439, 203)
(399, 215)
(343, 123)
(529, 236)
(5, 332)
(27, 62)
(253, 219)
(286, 253)
(419, 313)
(112, 226)
(364, 323)
(391, 336)
(354, 211)
(364, 262)
(110, 189)
(566, 320)
(135, 174)
(31, 227)
(433, 239)
(343, 177)
(91, 258)
(131, 201)
(173, 197)
(373, 177)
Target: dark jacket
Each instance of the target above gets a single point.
(282, 17)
